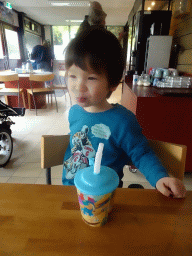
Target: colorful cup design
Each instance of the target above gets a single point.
(95, 209)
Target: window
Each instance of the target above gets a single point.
(73, 31)
(116, 30)
(61, 37)
(12, 44)
(129, 46)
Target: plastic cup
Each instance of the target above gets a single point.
(95, 193)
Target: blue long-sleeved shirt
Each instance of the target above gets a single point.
(123, 141)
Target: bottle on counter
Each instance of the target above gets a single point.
(29, 67)
(146, 80)
(140, 81)
(23, 67)
(135, 78)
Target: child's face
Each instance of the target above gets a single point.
(88, 89)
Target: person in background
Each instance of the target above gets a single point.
(96, 17)
(96, 14)
(93, 74)
(84, 25)
(43, 56)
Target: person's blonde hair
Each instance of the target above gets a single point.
(96, 14)
(46, 43)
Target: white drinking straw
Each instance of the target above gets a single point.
(98, 158)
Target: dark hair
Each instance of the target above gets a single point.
(101, 50)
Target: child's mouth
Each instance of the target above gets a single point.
(81, 99)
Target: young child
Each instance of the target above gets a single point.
(94, 62)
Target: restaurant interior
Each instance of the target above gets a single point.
(25, 24)
(94, 217)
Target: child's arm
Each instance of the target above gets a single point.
(171, 187)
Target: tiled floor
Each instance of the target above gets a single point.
(24, 166)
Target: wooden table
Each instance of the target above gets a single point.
(43, 220)
(25, 84)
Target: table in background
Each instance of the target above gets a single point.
(45, 220)
(25, 84)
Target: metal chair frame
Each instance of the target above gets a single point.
(62, 86)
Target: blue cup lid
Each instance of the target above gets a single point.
(96, 184)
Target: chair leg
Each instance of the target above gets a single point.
(34, 104)
(6, 100)
(23, 97)
(55, 101)
(18, 100)
(65, 94)
(48, 176)
(29, 100)
(18, 94)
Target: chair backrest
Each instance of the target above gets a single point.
(62, 74)
(8, 77)
(53, 149)
(172, 156)
(41, 77)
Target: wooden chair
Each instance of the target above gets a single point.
(172, 156)
(53, 148)
(40, 91)
(62, 83)
(11, 91)
(2, 85)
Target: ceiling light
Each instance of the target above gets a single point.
(153, 3)
(78, 21)
(70, 3)
(149, 8)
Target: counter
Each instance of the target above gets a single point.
(164, 114)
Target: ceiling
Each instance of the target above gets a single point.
(43, 12)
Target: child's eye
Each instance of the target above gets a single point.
(72, 76)
(92, 78)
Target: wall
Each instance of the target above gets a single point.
(181, 30)
(48, 32)
(30, 40)
(9, 16)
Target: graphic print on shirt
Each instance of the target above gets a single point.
(82, 150)
(101, 131)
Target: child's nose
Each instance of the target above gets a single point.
(82, 86)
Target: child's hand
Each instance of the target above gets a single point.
(171, 187)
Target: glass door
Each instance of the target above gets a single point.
(61, 37)
(10, 52)
(4, 63)
(12, 41)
